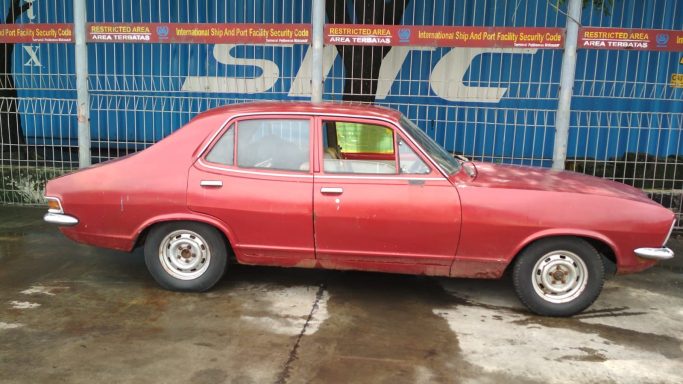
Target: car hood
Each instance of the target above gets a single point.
(543, 179)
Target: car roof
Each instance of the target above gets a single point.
(342, 108)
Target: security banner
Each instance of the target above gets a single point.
(36, 33)
(632, 39)
(347, 34)
(199, 33)
(676, 80)
(444, 36)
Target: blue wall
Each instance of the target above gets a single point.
(124, 77)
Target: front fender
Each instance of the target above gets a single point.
(557, 232)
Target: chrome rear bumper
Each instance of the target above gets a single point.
(663, 253)
(60, 219)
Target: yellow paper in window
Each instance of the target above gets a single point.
(364, 138)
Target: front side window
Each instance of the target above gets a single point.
(444, 159)
(410, 162)
(350, 147)
(280, 144)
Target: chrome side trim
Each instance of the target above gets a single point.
(308, 175)
(60, 219)
(668, 235)
(655, 253)
(366, 176)
(259, 173)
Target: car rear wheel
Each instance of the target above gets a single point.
(186, 256)
(558, 276)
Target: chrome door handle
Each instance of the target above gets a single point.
(332, 190)
(211, 183)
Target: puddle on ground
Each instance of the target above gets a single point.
(561, 349)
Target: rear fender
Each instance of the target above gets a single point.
(200, 218)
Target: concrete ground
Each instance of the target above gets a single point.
(72, 313)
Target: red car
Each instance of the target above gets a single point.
(356, 187)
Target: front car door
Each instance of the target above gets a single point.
(378, 205)
(256, 177)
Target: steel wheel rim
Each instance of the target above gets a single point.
(184, 254)
(559, 276)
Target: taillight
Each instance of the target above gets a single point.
(54, 205)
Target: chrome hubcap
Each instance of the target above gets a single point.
(184, 255)
(560, 276)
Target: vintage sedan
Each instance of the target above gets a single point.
(343, 186)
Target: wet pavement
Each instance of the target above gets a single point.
(77, 314)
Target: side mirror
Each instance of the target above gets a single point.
(470, 169)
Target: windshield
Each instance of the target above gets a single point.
(444, 159)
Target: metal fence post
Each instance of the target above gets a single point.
(318, 21)
(566, 84)
(81, 52)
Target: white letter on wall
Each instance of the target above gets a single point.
(446, 79)
(220, 84)
(391, 66)
(33, 60)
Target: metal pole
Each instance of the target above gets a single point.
(80, 20)
(318, 21)
(566, 84)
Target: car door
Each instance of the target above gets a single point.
(377, 204)
(256, 178)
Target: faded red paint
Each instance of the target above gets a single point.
(468, 224)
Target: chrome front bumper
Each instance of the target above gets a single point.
(663, 253)
(60, 219)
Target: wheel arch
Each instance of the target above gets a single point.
(224, 229)
(605, 247)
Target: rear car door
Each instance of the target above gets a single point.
(379, 205)
(256, 178)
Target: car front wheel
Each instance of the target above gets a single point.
(558, 276)
(186, 256)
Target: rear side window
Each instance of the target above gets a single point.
(224, 150)
(281, 144)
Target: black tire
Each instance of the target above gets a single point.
(193, 259)
(558, 276)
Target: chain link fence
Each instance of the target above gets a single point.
(627, 113)
(37, 104)
(487, 103)
(140, 93)
(152, 66)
